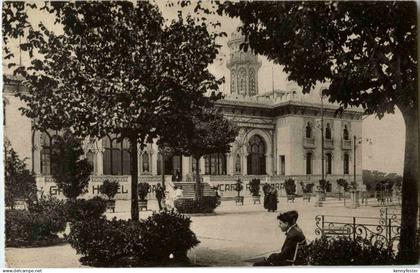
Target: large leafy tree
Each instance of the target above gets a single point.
(117, 69)
(205, 131)
(365, 51)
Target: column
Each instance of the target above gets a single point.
(269, 165)
(186, 166)
(230, 165)
(154, 155)
(244, 163)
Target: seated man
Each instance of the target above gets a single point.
(294, 235)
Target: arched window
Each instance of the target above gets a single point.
(215, 164)
(242, 81)
(308, 163)
(252, 90)
(116, 156)
(233, 82)
(145, 162)
(329, 163)
(345, 133)
(328, 131)
(47, 150)
(256, 156)
(346, 163)
(238, 168)
(308, 130)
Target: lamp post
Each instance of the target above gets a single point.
(355, 190)
(318, 203)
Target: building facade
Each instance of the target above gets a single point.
(279, 138)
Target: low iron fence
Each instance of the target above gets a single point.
(380, 232)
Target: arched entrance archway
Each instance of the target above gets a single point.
(256, 156)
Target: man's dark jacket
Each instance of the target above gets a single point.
(293, 237)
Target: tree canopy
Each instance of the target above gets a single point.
(117, 68)
(366, 55)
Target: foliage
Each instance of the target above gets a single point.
(290, 186)
(363, 52)
(254, 187)
(19, 182)
(51, 206)
(117, 243)
(206, 204)
(156, 242)
(323, 185)
(341, 251)
(119, 59)
(206, 131)
(143, 190)
(307, 188)
(372, 178)
(343, 183)
(71, 174)
(26, 228)
(83, 210)
(109, 188)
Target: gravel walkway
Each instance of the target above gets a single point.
(228, 237)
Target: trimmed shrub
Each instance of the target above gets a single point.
(143, 190)
(25, 228)
(254, 187)
(167, 233)
(205, 204)
(82, 210)
(345, 251)
(121, 243)
(290, 186)
(54, 208)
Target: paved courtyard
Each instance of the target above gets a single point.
(229, 237)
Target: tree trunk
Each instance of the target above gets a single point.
(197, 178)
(408, 239)
(134, 180)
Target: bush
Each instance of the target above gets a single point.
(307, 188)
(206, 204)
(82, 210)
(25, 228)
(117, 243)
(345, 251)
(54, 208)
(167, 233)
(109, 188)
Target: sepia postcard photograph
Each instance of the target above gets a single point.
(210, 134)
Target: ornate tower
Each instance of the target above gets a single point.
(243, 68)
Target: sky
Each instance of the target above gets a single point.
(387, 136)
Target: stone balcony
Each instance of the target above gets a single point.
(328, 144)
(346, 144)
(309, 142)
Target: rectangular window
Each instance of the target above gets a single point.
(282, 164)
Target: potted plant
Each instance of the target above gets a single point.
(143, 190)
(342, 186)
(290, 187)
(239, 187)
(110, 189)
(322, 188)
(254, 188)
(307, 190)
